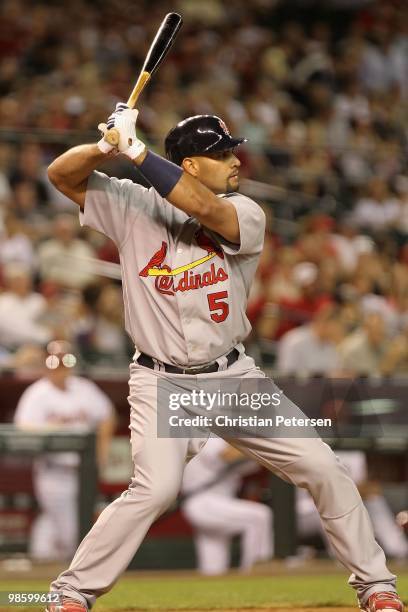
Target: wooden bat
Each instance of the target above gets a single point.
(159, 48)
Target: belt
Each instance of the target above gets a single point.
(148, 362)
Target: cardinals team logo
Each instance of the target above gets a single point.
(165, 275)
(224, 128)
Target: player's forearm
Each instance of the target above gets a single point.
(192, 197)
(188, 194)
(75, 165)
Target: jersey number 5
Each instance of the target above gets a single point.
(219, 309)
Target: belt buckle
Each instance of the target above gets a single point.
(191, 371)
(197, 370)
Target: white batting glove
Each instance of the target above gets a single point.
(124, 120)
(103, 145)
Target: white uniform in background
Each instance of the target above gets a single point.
(81, 405)
(217, 514)
(391, 537)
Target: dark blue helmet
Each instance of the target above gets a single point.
(198, 135)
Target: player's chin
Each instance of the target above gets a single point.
(233, 184)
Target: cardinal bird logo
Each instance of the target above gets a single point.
(155, 267)
(155, 263)
(165, 281)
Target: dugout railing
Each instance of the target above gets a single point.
(20, 444)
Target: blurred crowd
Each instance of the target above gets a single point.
(319, 89)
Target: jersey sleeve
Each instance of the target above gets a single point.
(29, 411)
(251, 220)
(100, 406)
(112, 205)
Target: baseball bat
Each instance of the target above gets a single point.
(159, 48)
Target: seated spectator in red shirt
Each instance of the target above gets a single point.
(310, 300)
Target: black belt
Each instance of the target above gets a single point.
(148, 362)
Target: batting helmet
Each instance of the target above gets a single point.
(198, 135)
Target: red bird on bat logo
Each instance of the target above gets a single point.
(156, 261)
(164, 275)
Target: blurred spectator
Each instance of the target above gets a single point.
(402, 189)
(311, 298)
(378, 210)
(15, 245)
(61, 259)
(283, 285)
(312, 348)
(6, 158)
(210, 485)
(351, 103)
(21, 310)
(100, 329)
(27, 361)
(348, 244)
(25, 203)
(369, 351)
(61, 400)
(30, 169)
(384, 65)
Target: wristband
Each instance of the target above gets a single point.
(162, 174)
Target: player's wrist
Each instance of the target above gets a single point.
(104, 146)
(136, 150)
(139, 159)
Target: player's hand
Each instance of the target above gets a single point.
(103, 145)
(124, 121)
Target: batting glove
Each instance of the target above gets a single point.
(103, 145)
(124, 121)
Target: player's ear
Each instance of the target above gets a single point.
(190, 165)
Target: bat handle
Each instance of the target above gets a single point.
(138, 88)
(112, 135)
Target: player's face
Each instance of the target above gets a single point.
(219, 171)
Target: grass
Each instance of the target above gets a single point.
(184, 593)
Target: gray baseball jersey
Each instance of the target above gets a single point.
(181, 283)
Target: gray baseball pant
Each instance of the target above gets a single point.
(110, 545)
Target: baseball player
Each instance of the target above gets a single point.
(189, 248)
(210, 484)
(61, 400)
(386, 530)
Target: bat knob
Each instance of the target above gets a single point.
(112, 136)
